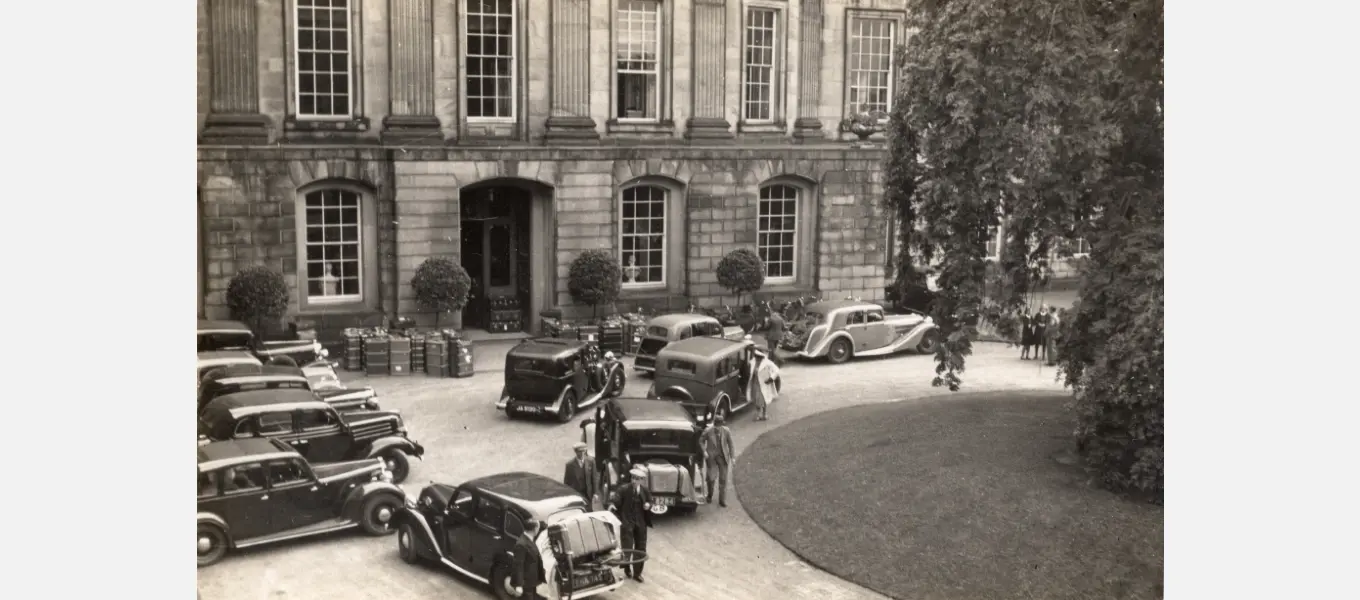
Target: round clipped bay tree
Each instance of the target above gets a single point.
(595, 278)
(441, 286)
(741, 272)
(257, 297)
(1044, 116)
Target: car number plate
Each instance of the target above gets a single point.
(585, 581)
(529, 409)
(665, 500)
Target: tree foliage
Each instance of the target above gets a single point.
(741, 272)
(441, 286)
(1044, 114)
(595, 278)
(257, 296)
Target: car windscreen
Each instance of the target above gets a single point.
(531, 366)
(209, 342)
(658, 331)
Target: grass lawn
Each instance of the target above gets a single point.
(966, 496)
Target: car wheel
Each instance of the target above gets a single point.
(568, 411)
(616, 383)
(501, 583)
(406, 544)
(929, 342)
(396, 462)
(378, 513)
(839, 351)
(212, 544)
(725, 409)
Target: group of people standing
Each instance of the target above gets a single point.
(1040, 332)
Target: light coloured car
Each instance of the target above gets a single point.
(842, 329)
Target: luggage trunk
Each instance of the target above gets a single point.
(671, 480)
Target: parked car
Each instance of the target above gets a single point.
(259, 490)
(665, 329)
(234, 335)
(658, 436)
(707, 376)
(839, 330)
(240, 378)
(318, 431)
(541, 378)
(471, 529)
(216, 359)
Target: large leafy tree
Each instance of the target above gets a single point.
(1044, 114)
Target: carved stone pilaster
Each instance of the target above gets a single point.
(569, 119)
(710, 71)
(235, 98)
(809, 122)
(411, 118)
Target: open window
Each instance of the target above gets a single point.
(875, 316)
(855, 318)
(245, 478)
(513, 525)
(686, 332)
(317, 419)
(462, 504)
(288, 472)
(489, 514)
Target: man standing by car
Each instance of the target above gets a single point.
(580, 474)
(527, 562)
(632, 506)
(716, 442)
(775, 332)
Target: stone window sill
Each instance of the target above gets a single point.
(314, 310)
(667, 126)
(779, 127)
(355, 125)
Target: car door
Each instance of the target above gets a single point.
(855, 325)
(459, 540)
(876, 332)
(245, 502)
(299, 499)
(485, 533)
(321, 436)
(727, 378)
(275, 425)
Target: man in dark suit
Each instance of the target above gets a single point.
(716, 443)
(580, 475)
(527, 569)
(633, 505)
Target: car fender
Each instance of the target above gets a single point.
(718, 400)
(561, 396)
(382, 444)
(206, 517)
(354, 498)
(825, 344)
(676, 390)
(913, 338)
(424, 540)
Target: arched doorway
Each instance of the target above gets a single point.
(504, 248)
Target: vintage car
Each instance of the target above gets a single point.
(216, 359)
(664, 329)
(541, 378)
(233, 335)
(472, 528)
(839, 330)
(707, 376)
(240, 378)
(657, 436)
(257, 491)
(318, 431)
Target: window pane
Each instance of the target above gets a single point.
(637, 61)
(489, 63)
(760, 65)
(870, 48)
(322, 58)
(644, 235)
(333, 244)
(777, 227)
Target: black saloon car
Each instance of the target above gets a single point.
(471, 529)
(557, 377)
(234, 335)
(318, 431)
(243, 378)
(257, 491)
(660, 437)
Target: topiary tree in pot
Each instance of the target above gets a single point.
(595, 278)
(257, 296)
(441, 286)
(741, 272)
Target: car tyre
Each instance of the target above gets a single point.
(500, 583)
(378, 513)
(839, 351)
(397, 462)
(930, 342)
(406, 544)
(568, 410)
(616, 382)
(215, 539)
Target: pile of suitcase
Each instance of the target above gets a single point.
(615, 333)
(377, 351)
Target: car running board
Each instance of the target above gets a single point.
(326, 526)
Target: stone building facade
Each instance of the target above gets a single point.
(343, 142)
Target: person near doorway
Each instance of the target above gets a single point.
(633, 504)
(719, 455)
(580, 474)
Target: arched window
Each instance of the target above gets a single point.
(642, 229)
(337, 243)
(777, 239)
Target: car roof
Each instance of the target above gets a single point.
(673, 319)
(222, 325)
(642, 409)
(538, 495)
(546, 348)
(701, 347)
(215, 455)
(827, 306)
(241, 404)
(262, 372)
(241, 357)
